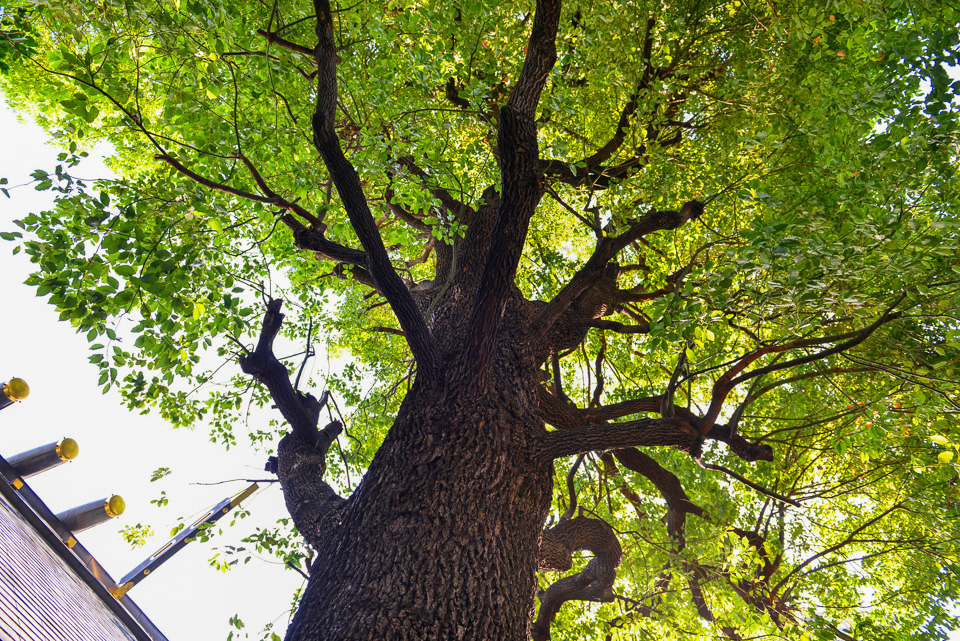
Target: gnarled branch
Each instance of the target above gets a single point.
(565, 416)
(314, 240)
(593, 583)
(734, 376)
(667, 483)
(302, 411)
(312, 503)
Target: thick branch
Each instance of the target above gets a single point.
(647, 431)
(590, 171)
(310, 239)
(667, 483)
(700, 603)
(623, 124)
(738, 445)
(210, 184)
(606, 250)
(347, 182)
(614, 326)
(402, 213)
(278, 199)
(733, 377)
(624, 408)
(302, 411)
(273, 38)
(541, 54)
(593, 583)
(446, 199)
(565, 416)
(558, 411)
(452, 92)
(572, 489)
(521, 185)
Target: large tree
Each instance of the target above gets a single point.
(674, 284)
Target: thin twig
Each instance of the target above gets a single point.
(306, 356)
(235, 480)
(749, 483)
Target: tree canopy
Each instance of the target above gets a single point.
(744, 211)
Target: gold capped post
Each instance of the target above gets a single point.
(94, 513)
(115, 506)
(45, 457)
(14, 390)
(239, 497)
(120, 591)
(68, 449)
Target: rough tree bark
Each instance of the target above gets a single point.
(444, 535)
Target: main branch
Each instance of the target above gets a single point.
(522, 187)
(347, 182)
(647, 431)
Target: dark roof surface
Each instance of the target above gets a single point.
(42, 598)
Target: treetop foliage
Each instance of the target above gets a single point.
(822, 141)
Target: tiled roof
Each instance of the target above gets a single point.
(40, 597)
(51, 588)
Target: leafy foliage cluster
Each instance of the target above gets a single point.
(823, 137)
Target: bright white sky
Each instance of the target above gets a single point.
(185, 598)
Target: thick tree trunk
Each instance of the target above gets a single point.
(441, 539)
